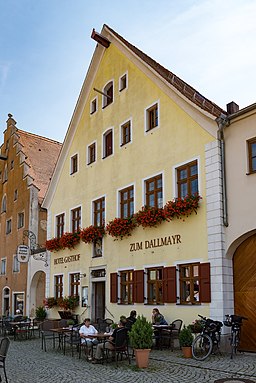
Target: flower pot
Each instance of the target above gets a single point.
(142, 356)
(187, 352)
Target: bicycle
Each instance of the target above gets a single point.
(208, 340)
(235, 322)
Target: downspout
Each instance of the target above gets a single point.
(222, 122)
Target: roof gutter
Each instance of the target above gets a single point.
(222, 122)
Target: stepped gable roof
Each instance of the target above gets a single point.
(184, 88)
(41, 155)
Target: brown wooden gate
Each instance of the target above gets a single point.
(244, 266)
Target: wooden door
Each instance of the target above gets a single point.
(99, 300)
(244, 266)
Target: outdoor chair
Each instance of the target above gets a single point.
(46, 326)
(120, 347)
(175, 332)
(72, 339)
(23, 330)
(4, 346)
(8, 328)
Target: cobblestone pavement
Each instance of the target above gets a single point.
(27, 363)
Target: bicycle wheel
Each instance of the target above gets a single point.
(201, 347)
(234, 342)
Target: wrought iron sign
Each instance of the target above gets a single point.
(36, 251)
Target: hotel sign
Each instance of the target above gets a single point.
(156, 242)
(70, 258)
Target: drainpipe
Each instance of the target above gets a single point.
(222, 122)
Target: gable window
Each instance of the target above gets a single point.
(152, 116)
(16, 264)
(74, 164)
(60, 222)
(3, 205)
(74, 284)
(20, 220)
(123, 82)
(8, 226)
(3, 266)
(126, 202)
(108, 94)
(99, 212)
(125, 133)
(187, 179)
(155, 285)
(58, 286)
(91, 153)
(154, 191)
(252, 154)
(75, 219)
(126, 287)
(94, 105)
(108, 143)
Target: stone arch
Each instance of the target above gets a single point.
(37, 291)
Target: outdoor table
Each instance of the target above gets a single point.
(22, 328)
(158, 333)
(61, 331)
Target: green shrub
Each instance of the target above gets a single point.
(186, 337)
(141, 334)
(41, 312)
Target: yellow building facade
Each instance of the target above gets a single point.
(138, 137)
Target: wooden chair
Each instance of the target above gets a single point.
(4, 346)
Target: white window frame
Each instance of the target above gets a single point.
(55, 222)
(121, 132)
(70, 217)
(69, 282)
(104, 104)
(18, 220)
(87, 153)
(3, 265)
(94, 101)
(174, 175)
(121, 89)
(71, 164)
(144, 186)
(146, 119)
(118, 209)
(104, 143)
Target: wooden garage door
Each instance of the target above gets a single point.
(244, 263)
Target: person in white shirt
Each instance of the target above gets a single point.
(85, 331)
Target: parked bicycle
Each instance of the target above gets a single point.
(208, 340)
(235, 322)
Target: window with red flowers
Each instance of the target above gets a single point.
(76, 219)
(154, 191)
(60, 225)
(187, 179)
(126, 202)
(58, 286)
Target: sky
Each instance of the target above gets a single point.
(46, 49)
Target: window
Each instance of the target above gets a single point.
(126, 202)
(155, 285)
(20, 220)
(12, 165)
(152, 117)
(126, 287)
(16, 264)
(94, 105)
(194, 283)
(8, 226)
(123, 82)
(108, 143)
(91, 154)
(99, 212)
(3, 205)
(3, 266)
(60, 222)
(76, 219)
(58, 286)
(74, 284)
(108, 94)
(252, 155)
(15, 195)
(5, 178)
(187, 179)
(154, 191)
(74, 164)
(125, 133)
(18, 302)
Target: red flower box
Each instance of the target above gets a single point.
(121, 227)
(70, 240)
(92, 233)
(150, 216)
(53, 244)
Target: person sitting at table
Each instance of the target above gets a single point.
(110, 343)
(131, 320)
(157, 318)
(86, 330)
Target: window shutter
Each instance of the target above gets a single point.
(138, 286)
(169, 285)
(113, 287)
(205, 283)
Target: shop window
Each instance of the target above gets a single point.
(75, 219)
(252, 155)
(19, 303)
(187, 179)
(91, 153)
(58, 286)
(125, 133)
(60, 223)
(154, 192)
(126, 202)
(108, 94)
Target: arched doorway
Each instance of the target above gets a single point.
(37, 292)
(244, 266)
(6, 301)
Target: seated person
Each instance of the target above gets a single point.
(110, 343)
(131, 320)
(85, 330)
(158, 318)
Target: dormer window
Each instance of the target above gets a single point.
(108, 94)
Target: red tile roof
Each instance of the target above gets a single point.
(184, 88)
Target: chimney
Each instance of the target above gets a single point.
(232, 107)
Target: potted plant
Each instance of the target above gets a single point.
(41, 313)
(141, 340)
(186, 340)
